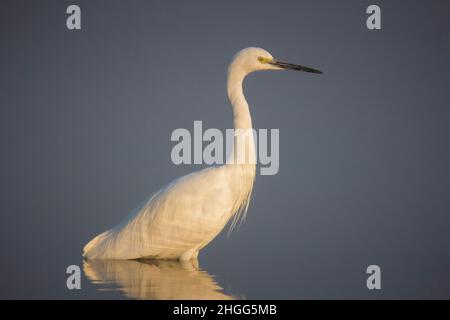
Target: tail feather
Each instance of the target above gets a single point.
(95, 247)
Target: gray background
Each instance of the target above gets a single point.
(86, 118)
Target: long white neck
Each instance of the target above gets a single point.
(241, 163)
(241, 112)
(244, 145)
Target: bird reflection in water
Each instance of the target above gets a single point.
(155, 280)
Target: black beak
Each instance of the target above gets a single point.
(285, 65)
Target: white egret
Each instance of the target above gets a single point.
(183, 217)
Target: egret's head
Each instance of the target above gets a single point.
(257, 59)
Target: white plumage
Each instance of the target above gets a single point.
(186, 215)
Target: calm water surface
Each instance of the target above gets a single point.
(155, 280)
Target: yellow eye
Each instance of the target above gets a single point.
(261, 59)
